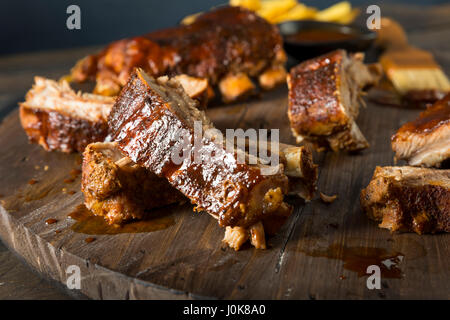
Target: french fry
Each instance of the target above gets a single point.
(299, 12)
(270, 9)
(336, 12)
(278, 11)
(254, 5)
(190, 18)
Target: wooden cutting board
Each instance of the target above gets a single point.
(321, 252)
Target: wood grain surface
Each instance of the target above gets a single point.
(187, 259)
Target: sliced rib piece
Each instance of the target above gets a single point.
(409, 199)
(153, 123)
(119, 190)
(56, 117)
(324, 99)
(426, 140)
(220, 45)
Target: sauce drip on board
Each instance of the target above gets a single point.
(357, 259)
(36, 195)
(50, 221)
(74, 173)
(309, 36)
(88, 223)
(89, 239)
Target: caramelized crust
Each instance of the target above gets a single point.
(153, 118)
(426, 140)
(227, 40)
(119, 190)
(324, 98)
(409, 199)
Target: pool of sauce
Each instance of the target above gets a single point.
(309, 36)
(88, 223)
(357, 259)
(50, 221)
(74, 173)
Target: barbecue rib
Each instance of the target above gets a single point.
(426, 140)
(154, 123)
(119, 190)
(228, 46)
(409, 199)
(56, 117)
(324, 98)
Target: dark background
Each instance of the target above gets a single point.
(41, 24)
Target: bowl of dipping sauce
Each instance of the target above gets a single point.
(306, 39)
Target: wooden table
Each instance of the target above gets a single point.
(290, 268)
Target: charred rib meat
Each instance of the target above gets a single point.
(426, 140)
(409, 199)
(153, 121)
(119, 190)
(226, 46)
(324, 99)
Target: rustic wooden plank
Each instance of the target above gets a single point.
(13, 284)
(188, 258)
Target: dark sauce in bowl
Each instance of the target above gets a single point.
(305, 36)
(307, 39)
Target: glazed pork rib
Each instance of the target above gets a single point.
(426, 140)
(409, 199)
(324, 100)
(58, 118)
(227, 46)
(119, 190)
(154, 123)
